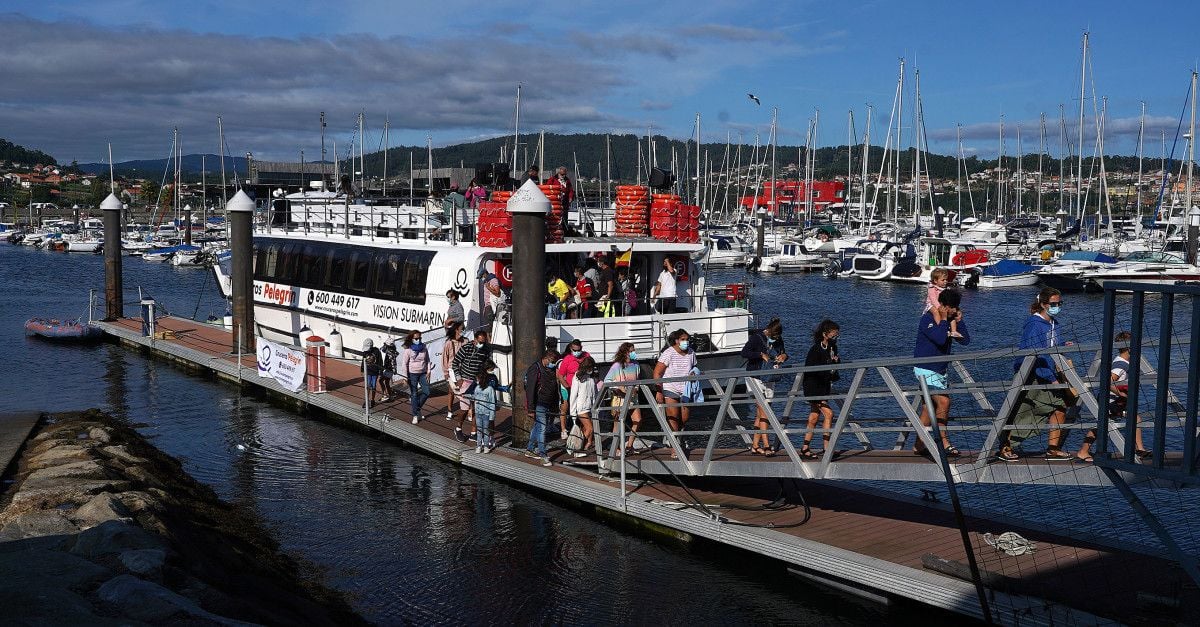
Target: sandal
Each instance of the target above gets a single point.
(754, 450)
(807, 453)
(1082, 460)
(1006, 454)
(1143, 454)
(1057, 455)
(952, 451)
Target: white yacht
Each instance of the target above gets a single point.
(386, 271)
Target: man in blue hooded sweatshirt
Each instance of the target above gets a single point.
(939, 328)
(1038, 406)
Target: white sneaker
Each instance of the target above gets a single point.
(546, 462)
(478, 449)
(416, 419)
(449, 415)
(491, 447)
(578, 454)
(531, 454)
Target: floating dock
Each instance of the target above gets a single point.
(875, 545)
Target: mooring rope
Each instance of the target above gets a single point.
(1010, 542)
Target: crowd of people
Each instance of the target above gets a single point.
(562, 387)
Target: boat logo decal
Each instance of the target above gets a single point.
(462, 283)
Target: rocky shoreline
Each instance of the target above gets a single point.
(99, 527)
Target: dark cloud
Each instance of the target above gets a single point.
(612, 45)
(71, 86)
(725, 32)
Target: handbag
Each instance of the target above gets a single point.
(574, 439)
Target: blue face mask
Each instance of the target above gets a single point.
(1055, 309)
(683, 345)
(577, 354)
(417, 346)
(770, 340)
(632, 356)
(552, 365)
(478, 344)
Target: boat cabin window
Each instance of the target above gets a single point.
(339, 261)
(387, 274)
(360, 270)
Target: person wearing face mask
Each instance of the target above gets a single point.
(415, 362)
(764, 350)
(677, 360)
(937, 331)
(541, 397)
(1041, 330)
(818, 383)
(625, 368)
(486, 397)
(583, 399)
(467, 365)
(566, 374)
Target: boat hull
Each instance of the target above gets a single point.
(62, 330)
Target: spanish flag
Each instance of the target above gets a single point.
(624, 258)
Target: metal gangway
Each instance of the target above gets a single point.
(876, 415)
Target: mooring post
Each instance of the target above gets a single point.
(113, 289)
(240, 211)
(187, 225)
(529, 208)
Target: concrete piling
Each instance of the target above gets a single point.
(113, 286)
(529, 207)
(240, 210)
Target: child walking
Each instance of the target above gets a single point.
(486, 396)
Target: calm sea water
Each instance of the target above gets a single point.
(409, 538)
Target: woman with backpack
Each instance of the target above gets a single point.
(764, 350)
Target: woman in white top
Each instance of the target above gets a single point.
(582, 399)
(676, 361)
(664, 288)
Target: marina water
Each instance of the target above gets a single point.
(407, 537)
(412, 538)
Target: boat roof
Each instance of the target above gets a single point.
(572, 244)
(1086, 255)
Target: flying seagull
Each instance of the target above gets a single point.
(754, 98)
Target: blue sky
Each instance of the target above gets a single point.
(80, 74)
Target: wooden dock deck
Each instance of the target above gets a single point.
(850, 538)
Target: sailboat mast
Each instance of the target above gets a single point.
(1137, 186)
(862, 204)
(516, 129)
(362, 169)
(221, 149)
(774, 195)
(697, 159)
(324, 174)
(899, 127)
(1000, 173)
(1020, 190)
(1079, 171)
(1041, 153)
(1187, 193)
(385, 151)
